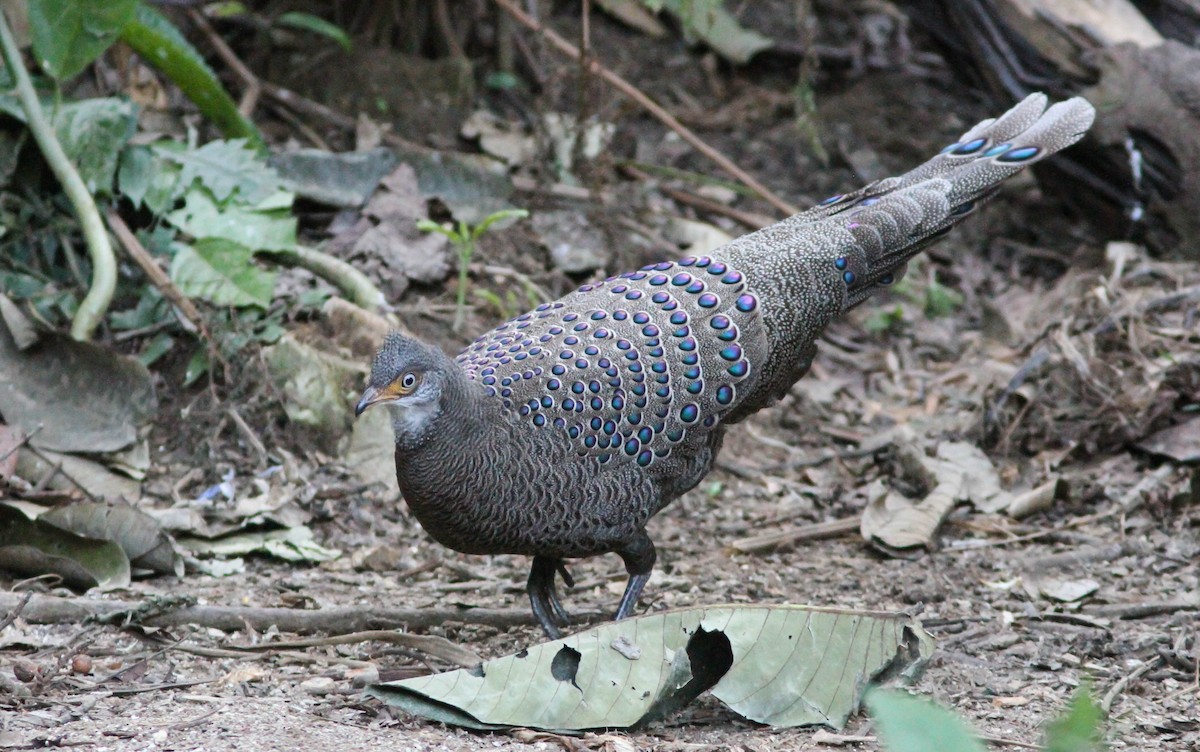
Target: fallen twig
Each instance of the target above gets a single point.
(1119, 687)
(284, 96)
(249, 435)
(869, 446)
(1136, 496)
(12, 615)
(750, 220)
(185, 309)
(45, 609)
(815, 531)
(438, 647)
(631, 91)
(1127, 611)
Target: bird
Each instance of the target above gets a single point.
(560, 433)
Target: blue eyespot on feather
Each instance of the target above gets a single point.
(970, 147)
(1023, 154)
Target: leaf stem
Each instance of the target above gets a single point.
(104, 264)
(357, 288)
(466, 249)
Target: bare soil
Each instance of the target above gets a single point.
(1008, 659)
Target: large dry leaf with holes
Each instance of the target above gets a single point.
(780, 665)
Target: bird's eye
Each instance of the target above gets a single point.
(408, 381)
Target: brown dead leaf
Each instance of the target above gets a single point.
(1180, 443)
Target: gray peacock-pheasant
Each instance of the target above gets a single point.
(560, 433)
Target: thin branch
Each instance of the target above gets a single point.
(185, 309)
(438, 647)
(254, 89)
(104, 264)
(1111, 695)
(751, 220)
(648, 104)
(46, 609)
(249, 435)
(286, 97)
(16, 610)
(790, 536)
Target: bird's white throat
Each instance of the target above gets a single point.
(413, 420)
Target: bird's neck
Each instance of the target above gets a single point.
(437, 455)
(456, 411)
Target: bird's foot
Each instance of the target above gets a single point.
(633, 591)
(639, 556)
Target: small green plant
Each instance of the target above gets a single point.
(915, 724)
(463, 237)
(511, 304)
(885, 320)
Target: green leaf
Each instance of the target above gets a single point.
(223, 273)
(224, 167)
(155, 349)
(708, 21)
(316, 25)
(501, 216)
(146, 178)
(67, 35)
(197, 365)
(502, 81)
(93, 132)
(1079, 729)
(428, 225)
(941, 300)
(914, 724)
(228, 9)
(151, 308)
(161, 45)
(270, 230)
(884, 319)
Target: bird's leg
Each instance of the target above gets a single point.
(543, 598)
(568, 580)
(639, 556)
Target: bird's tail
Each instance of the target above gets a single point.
(810, 267)
(893, 219)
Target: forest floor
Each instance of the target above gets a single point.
(1027, 278)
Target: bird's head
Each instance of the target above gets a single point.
(411, 377)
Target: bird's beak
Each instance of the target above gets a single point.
(370, 396)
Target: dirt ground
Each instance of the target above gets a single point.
(1008, 656)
